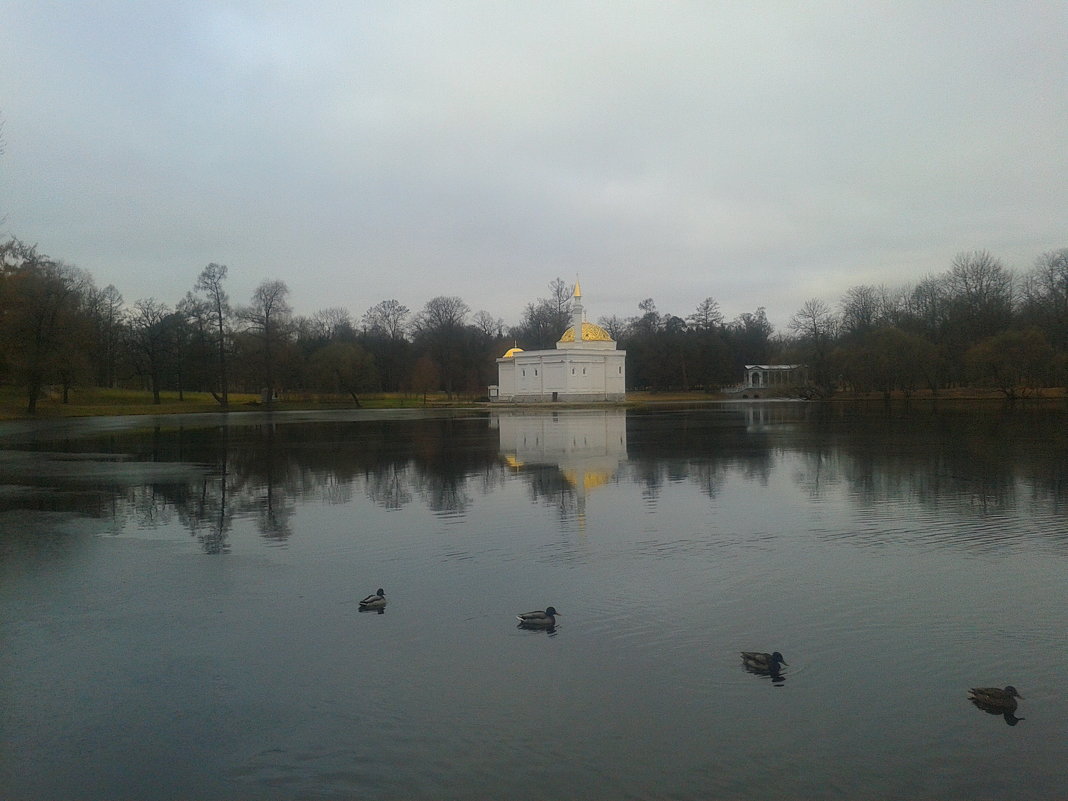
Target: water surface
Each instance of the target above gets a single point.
(178, 604)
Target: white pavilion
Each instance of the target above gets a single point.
(585, 367)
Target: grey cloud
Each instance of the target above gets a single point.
(758, 153)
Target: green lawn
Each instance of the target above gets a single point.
(95, 402)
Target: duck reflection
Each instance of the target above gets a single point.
(548, 631)
(1010, 717)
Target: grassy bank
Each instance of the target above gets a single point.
(956, 393)
(95, 402)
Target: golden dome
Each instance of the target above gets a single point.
(511, 352)
(590, 333)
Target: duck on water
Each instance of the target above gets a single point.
(540, 619)
(996, 698)
(760, 662)
(374, 601)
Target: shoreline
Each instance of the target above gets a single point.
(101, 403)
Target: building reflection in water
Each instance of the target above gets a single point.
(583, 448)
(772, 416)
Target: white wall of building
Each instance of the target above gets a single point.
(564, 375)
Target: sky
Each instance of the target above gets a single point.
(759, 153)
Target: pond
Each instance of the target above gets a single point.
(179, 609)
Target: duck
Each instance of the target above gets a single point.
(760, 662)
(1003, 700)
(538, 620)
(375, 600)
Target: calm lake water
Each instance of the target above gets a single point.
(179, 619)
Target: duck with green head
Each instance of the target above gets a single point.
(996, 698)
(376, 600)
(540, 619)
(760, 662)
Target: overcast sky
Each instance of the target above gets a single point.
(758, 153)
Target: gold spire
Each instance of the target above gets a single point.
(578, 290)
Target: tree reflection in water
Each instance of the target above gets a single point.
(207, 477)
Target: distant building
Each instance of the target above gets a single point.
(774, 376)
(586, 366)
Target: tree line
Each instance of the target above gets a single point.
(977, 323)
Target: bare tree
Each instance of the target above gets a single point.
(488, 325)
(3, 218)
(1045, 296)
(706, 316)
(815, 325)
(540, 326)
(648, 322)
(560, 295)
(888, 359)
(425, 376)
(105, 308)
(332, 323)
(442, 313)
(926, 308)
(439, 328)
(982, 293)
(614, 325)
(210, 283)
(342, 367)
(861, 310)
(200, 354)
(267, 320)
(750, 335)
(1013, 361)
(384, 334)
(545, 319)
(149, 341)
(387, 318)
(42, 318)
(814, 321)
